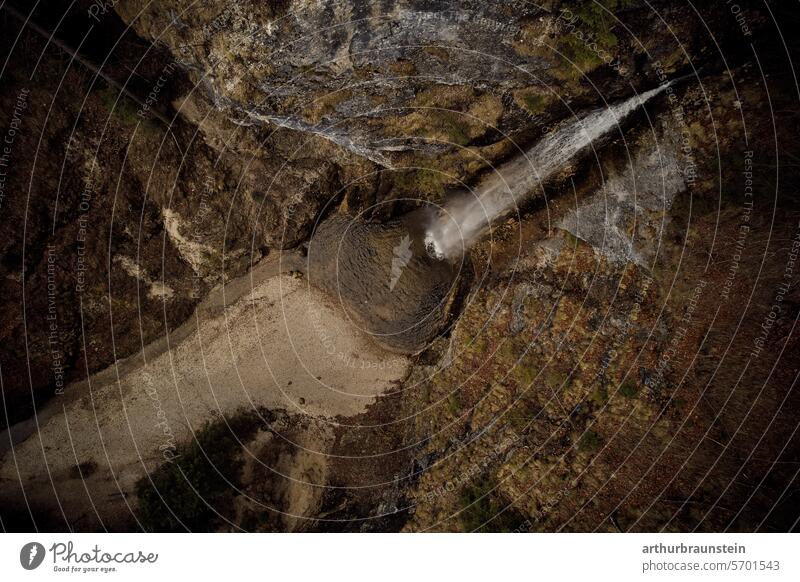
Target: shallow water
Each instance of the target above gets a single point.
(383, 278)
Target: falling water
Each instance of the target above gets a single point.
(466, 215)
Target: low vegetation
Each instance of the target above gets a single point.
(196, 490)
(484, 510)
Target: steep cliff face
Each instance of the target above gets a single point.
(439, 90)
(355, 68)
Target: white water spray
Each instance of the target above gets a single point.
(466, 215)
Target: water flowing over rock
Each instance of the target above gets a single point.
(466, 215)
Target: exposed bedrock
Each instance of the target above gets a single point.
(383, 78)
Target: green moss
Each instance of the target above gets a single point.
(324, 105)
(521, 415)
(589, 442)
(438, 52)
(629, 389)
(478, 346)
(558, 380)
(524, 375)
(454, 403)
(483, 509)
(403, 68)
(600, 396)
(451, 97)
(583, 59)
(190, 492)
(534, 103)
(420, 183)
(120, 106)
(573, 241)
(593, 36)
(438, 115)
(450, 124)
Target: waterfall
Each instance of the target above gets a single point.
(465, 215)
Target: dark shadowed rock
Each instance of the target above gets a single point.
(383, 278)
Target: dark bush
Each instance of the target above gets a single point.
(195, 490)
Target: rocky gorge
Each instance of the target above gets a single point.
(220, 310)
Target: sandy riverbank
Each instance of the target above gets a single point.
(281, 345)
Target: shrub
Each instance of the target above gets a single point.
(600, 396)
(629, 389)
(590, 442)
(534, 103)
(120, 106)
(454, 403)
(190, 492)
(483, 509)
